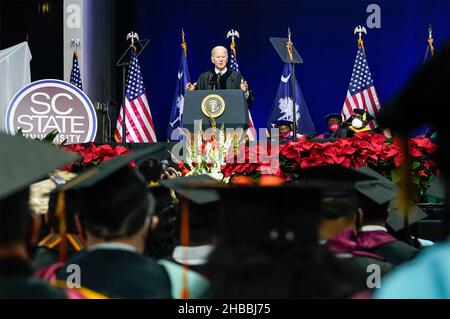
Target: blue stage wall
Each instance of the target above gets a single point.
(322, 33)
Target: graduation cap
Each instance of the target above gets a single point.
(24, 162)
(382, 191)
(193, 188)
(396, 220)
(278, 217)
(201, 201)
(365, 115)
(379, 189)
(333, 116)
(279, 123)
(106, 169)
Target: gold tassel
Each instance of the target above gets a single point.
(361, 44)
(184, 240)
(60, 213)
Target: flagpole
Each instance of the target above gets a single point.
(289, 45)
(124, 130)
(130, 36)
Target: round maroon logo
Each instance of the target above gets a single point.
(47, 105)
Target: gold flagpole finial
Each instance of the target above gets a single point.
(133, 36)
(430, 40)
(233, 33)
(289, 45)
(183, 42)
(360, 30)
(75, 45)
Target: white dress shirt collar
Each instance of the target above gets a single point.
(221, 72)
(373, 228)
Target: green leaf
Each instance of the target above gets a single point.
(415, 165)
(19, 132)
(50, 137)
(396, 175)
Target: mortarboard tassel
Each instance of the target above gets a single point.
(60, 213)
(184, 240)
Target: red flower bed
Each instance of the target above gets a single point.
(364, 149)
(92, 155)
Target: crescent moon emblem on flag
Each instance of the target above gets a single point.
(285, 79)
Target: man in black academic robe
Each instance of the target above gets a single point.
(221, 77)
(357, 123)
(117, 211)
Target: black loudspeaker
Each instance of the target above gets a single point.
(435, 226)
(107, 114)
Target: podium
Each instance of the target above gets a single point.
(226, 107)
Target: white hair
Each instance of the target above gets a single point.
(218, 47)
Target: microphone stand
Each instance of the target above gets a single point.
(288, 54)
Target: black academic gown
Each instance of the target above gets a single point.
(119, 273)
(230, 80)
(383, 244)
(18, 282)
(357, 266)
(396, 252)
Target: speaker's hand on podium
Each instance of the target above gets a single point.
(244, 88)
(191, 87)
(244, 85)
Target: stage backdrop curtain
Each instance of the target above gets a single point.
(14, 75)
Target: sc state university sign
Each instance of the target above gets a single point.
(47, 105)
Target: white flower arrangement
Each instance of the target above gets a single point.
(206, 152)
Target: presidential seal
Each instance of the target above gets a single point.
(213, 106)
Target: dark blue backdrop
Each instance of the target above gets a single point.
(322, 33)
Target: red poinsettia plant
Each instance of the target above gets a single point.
(92, 155)
(364, 149)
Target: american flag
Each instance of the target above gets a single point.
(361, 93)
(138, 118)
(75, 77)
(235, 67)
